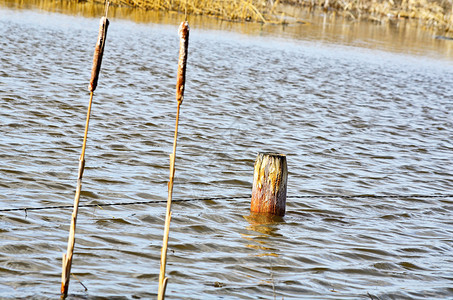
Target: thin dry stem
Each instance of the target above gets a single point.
(67, 258)
(163, 256)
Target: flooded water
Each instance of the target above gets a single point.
(359, 109)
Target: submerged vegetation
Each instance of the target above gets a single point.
(437, 14)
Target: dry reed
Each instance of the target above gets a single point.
(180, 86)
(97, 60)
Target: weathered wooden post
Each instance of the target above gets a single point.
(269, 184)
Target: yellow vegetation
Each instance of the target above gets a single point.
(232, 10)
(431, 13)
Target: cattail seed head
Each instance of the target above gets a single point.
(182, 62)
(98, 53)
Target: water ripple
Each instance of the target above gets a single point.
(351, 121)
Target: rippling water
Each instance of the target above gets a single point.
(352, 120)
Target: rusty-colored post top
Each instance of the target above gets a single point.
(269, 184)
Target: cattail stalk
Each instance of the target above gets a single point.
(180, 85)
(97, 60)
(98, 53)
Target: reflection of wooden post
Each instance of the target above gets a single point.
(269, 184)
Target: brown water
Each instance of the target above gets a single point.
(358, 109)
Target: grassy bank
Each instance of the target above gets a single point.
(232, 10)
(436, 14)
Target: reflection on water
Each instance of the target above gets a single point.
(356, 112)
(265, 225)
(399, 35)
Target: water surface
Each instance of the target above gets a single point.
(359, 113)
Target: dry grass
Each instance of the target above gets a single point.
(232, 10)
(436, 14)
(431, 13)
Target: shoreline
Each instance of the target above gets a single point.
(431, 14)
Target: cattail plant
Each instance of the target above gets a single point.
(97, 60)
(180, 85)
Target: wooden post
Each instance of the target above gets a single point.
(269, 184)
